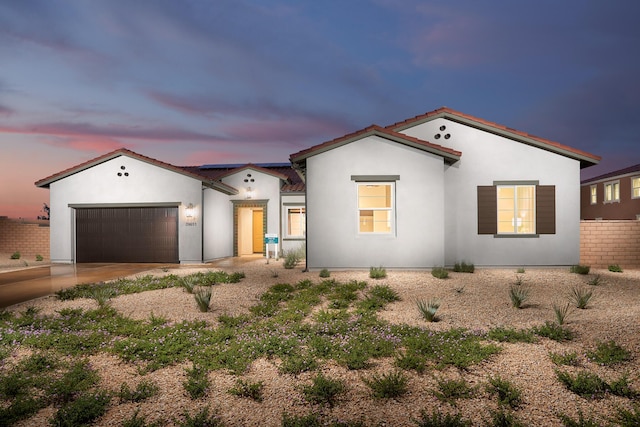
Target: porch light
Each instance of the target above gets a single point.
(248, 194)
(190, 211)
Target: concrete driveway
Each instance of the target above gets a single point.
(24, 285)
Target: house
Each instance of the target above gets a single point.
(441, 188)
(432, 190)
(126, 207)
(614, 195)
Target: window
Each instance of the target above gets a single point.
(516, 209)
(296, 222)
(375, 208)
(594, 194)
(612, 191)
(635, 187)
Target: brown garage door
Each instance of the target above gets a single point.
(135, 234)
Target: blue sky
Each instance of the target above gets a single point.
(201, 81)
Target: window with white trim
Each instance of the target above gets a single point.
(635, 187)
(594, 194)
(612, 191)
(296, 221)
(516, 209)
(375, 207)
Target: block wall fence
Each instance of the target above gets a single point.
(607, 242)
(29, 237)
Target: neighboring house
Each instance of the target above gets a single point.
(433, 190)
(614, 195)
(485, 194)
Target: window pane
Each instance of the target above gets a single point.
(382, 221)
(374, 196)
(635, 185)
(516, 209)
(296, 222)
(366, 221)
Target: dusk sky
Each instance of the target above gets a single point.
(193, 82)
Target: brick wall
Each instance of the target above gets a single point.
(607, 242)
(29, 237)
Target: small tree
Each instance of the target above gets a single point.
(47, 212)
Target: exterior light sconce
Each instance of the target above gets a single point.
(190, 213)
(248, 194)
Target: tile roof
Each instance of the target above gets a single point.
(586, 159)
(286, 173)
(45, 182)
(620, 172)
(448, 153)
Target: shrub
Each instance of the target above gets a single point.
(389, 385)
(201, 419)
(508, 394)
(39, 257)
(292, 258)
(323, 390)
(621, 387)
(450, 390)
(296, 364)
(554, 332)
(384, 293)
(377, 272)
(580, 269)
(102, 294)
(570, 359)
(567, 421)
(428, 309)
(15, 255)
(411, 361)
(615, 268)
(144, 390)
(203, 298)
(580, 296)
(595, 281)
(561, 311)
(248, 389)
(463, 267)
(324, 273)
(80, 377)
(585, 384)
(609, 353)
(188, 283)
(628, 417)
(439, 272)
(520, 270)
(503, 334)
(310, 420)
(82, 411)
(519, 295)
(502, 418)
(436, 419)
(197, 382)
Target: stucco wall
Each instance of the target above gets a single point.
(30, 238)
(217, 225)
(333, 239)
(608, 242)
(145, 184)
(486, 158)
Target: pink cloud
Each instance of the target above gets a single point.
(5, 111)
(203, 157)
(281, 130)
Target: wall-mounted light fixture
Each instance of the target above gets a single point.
(249, 193)
(190, 211)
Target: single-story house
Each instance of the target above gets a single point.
(432, 190)
(613, 195)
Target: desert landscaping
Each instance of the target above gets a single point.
(508, 375)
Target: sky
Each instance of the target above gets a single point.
(192, 82)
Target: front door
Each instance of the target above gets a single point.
(258, 227)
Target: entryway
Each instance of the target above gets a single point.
(250, 226)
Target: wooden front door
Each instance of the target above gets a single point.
(258, 227)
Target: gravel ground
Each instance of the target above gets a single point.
(477, 301)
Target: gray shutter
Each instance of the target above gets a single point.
(546, 209)
(487, 209)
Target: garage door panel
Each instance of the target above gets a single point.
(136, 234)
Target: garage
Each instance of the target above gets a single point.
(127, 234)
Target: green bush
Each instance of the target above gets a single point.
(519, 294)
(608, 353)
(439, 272)
(561, 311)
(323, 390)
(248, 389)
(580, 296)
(428, 309)
(450, 390)
(511, 335)
(554, 332)
(39, 258)
(411, 361)
(520, 270)
(293, 257)
(585, 384)
(570, 359)
(463, 267)
(188, 283)
(508, 394)
(197, 383)
(201, 419)
(388, 385)
(324, 273)
(595, 281)
(502, 418)
(567, 421)
(580, 269)
(203, 298)
(144, 390)
(628, 417)
(436, 419)
(15, 255)
(377, 272)
(82, 411)
(615, 268)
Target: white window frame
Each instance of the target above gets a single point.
(516, 214)
(303, 218)
(612, 192)
(391, 209)
(636, 187)
(593, 194)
